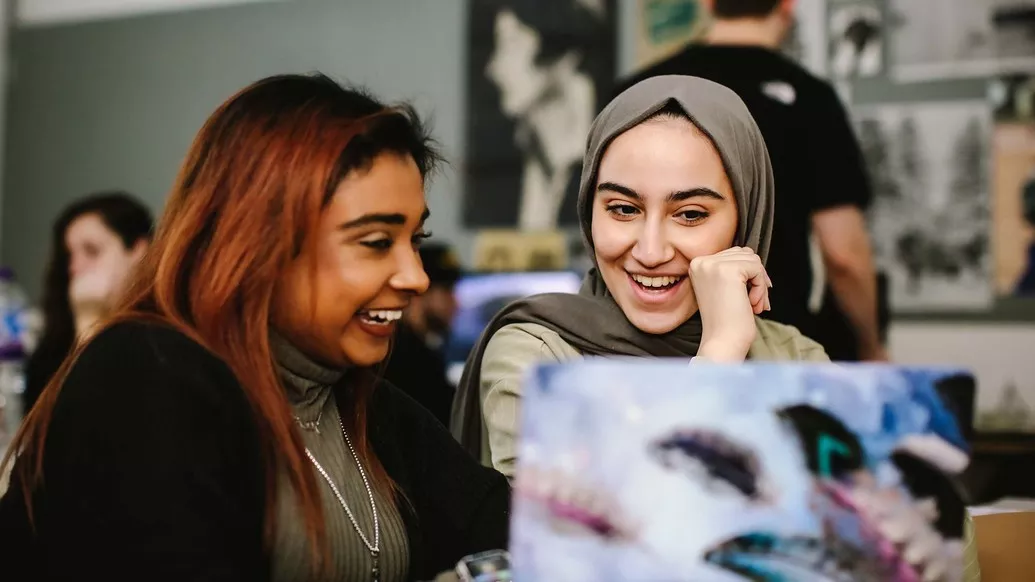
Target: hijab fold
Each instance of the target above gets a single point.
(591, 321)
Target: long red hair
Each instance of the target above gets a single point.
(253, 185)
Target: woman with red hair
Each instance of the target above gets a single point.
(228, 422)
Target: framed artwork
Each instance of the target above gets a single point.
(538, 72)
(1013, 208)
(941, 39)
(665, 26)
(930, 218)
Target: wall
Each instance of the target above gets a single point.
(6, 10)
(40, 12)
(115, 103)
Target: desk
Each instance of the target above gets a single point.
(1000, 466)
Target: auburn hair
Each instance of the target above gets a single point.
(253, 185)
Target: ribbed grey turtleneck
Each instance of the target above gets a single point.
(308, 386)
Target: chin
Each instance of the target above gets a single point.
(364, 353)
(655, 323)
(365, 356)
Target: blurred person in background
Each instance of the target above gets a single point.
(227, 422)
(822, 187)
(417, 364)
(96, 242)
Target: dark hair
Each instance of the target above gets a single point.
(246, 201)
(127, 218)
(744, 8)
(564, 25)
(672, 110)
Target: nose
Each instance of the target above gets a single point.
(410, 277)
(76, 265)
(652, 247)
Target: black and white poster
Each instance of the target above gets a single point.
(938, 39)
(930, 217)
(538, 73)
(856, 40)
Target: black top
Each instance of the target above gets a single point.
(153, 472)
(41, 366)
(420, 371)
(817, 163)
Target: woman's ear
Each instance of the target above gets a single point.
(139, 249)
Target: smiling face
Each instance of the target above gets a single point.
(662, 198)
(366, 267)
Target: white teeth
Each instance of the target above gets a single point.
(384, 316)
(655, 281)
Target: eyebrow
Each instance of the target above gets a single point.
(391, 219)
(678, 196)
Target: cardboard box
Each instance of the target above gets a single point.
(1006, 550)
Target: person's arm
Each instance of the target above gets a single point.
(507, 357)
(152, 470)
(840, 194)
(848, 259)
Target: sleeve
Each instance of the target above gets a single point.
(780, 342)
(151, 474)
(835, 158)
(809, 350)
(508, 355)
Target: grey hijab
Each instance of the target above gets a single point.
(591, 321)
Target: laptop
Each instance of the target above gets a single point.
(656, 470)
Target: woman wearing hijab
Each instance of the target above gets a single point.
(676, 209)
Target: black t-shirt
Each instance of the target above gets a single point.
(817, 163)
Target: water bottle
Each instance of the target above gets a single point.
(13, 309)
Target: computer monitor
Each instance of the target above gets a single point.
(479, 296)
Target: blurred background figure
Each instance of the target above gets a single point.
(417, 364)
(96, 242)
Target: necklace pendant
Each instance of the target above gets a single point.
(375, 572)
